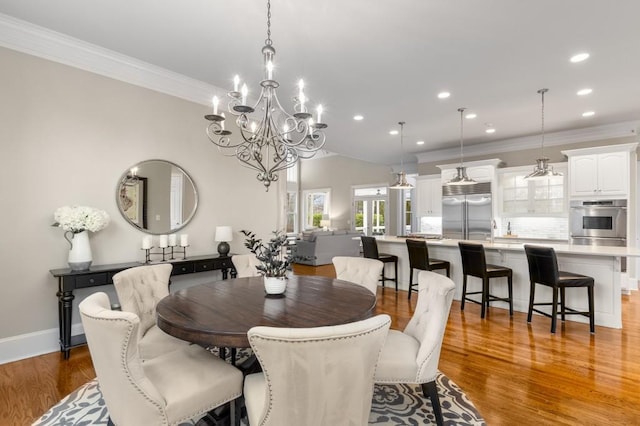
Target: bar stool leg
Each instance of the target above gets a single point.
(554, 310)
(485, 296)
(562, 305)
(410, 283)
(592, 319)
(395, 265)
(510, 285)
(464, 291)
(532, 293)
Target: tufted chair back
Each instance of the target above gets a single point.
(314, 376)
(363, 271)
(140, 289)
(429, 320)
(245, 265)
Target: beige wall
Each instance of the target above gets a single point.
(340, 174)
(66, 136)
(525, 156)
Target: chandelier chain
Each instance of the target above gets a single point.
(542, 92)
(268, 41)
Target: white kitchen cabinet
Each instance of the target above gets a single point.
(604, 174)
(480, 171)
(526, 197)
(429, 197)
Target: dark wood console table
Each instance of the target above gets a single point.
(98, 275)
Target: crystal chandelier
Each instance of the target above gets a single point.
(542, 168)
(401, 182)
(271, 140)
(461, 177)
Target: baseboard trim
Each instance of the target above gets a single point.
(16, 348)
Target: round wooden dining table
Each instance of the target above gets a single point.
(220, 313)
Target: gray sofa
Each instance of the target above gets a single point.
(319, 247)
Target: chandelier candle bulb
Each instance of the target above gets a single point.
(269, 70)
(236, 83)
(245, 91)
(319, 110)
(184, 240)
(172, 240)
(164, 241)
(215, 105)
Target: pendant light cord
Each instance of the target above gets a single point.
(542, 92)
(401, 123)
(461, 110)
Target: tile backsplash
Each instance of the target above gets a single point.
(535, 227)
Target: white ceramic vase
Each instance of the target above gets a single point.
(275, 285)
(80, 252)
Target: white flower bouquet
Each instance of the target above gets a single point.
(80, 218)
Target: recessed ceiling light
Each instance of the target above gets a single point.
(588, 114)
(443, 95)
(470, 116)
(358, 117)
(583, 92)
(579, 57)
(393, 132)
(491, 130)
(420, 143)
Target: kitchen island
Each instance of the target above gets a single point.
(601, 263)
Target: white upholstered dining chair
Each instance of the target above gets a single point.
(412, 356)
(314, 376)
(166, 390)
(139, 290)
(363, 271)
(245, 265)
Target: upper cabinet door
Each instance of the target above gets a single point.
(429, 197)
(584, 175)
(613, 173)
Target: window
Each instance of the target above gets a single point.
(292, 200)
(316, 204)
(408, 214)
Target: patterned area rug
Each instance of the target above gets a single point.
(392, 405)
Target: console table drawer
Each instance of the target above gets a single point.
(183, 268)
(205, 265)
(91, 280)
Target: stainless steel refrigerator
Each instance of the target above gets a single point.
(466, 211)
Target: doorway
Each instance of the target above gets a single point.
(370, 210)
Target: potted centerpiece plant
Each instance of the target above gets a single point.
(274, 261)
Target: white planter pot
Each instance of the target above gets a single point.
(275, 285)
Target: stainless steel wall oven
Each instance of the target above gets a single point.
(599, 222)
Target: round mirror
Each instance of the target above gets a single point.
(157, 196)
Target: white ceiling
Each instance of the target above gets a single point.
(387, 60)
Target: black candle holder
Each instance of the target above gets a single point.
(179, 250)
(148, 253)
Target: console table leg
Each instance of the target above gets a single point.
(66, 300)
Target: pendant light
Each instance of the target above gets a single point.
(401, 182)
(461, 177)
(542, 168)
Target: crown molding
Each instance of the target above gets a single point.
(34, 40)
(608, 131)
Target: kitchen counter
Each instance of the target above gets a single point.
(600, 262)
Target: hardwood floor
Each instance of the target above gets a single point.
(515, 373)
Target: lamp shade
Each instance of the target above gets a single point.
(224, 233)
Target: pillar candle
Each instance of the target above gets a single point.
(146, 242)
(163, 241)
(172, 240)
(184, 240)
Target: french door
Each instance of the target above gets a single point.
(369, 210)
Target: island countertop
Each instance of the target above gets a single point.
(519, 246)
